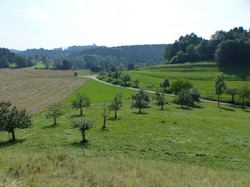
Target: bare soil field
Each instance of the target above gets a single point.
(35, 90)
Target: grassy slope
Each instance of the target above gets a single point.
(154, 148)
(202, 75)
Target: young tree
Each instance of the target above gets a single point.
(83, 125)
(195, 95)
(243, 93)
(140, 100)
(81, 101)
(126, 78)
(184, 97)
(136, 83)
(10, 119)
(220, 87)
(116, 103)
(54, 112)
(105, 114)
(165, 84)
(160, 100)
(232, 92)
(116, 75)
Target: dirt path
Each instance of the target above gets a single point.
(94, 77)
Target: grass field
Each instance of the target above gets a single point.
(201, 74)
(201, 146)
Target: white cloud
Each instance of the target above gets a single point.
(33, 11)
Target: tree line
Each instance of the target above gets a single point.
(226, 48)
(7, 57)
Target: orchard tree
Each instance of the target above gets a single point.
(116, 103)
(220, 87)
(81, 101)
(11, 119)
(54, 112)
(244, 94)
(104, 114)
(184, 97)
(116, 75)
(136, 83)
(82, 125)
(140, 100)
(165, 84)
(232, 92)
(125, 78)
(160, 100)
(194, 95)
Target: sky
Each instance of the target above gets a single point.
(26, 24)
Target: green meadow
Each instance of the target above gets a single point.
(201, 74)
(201, 146)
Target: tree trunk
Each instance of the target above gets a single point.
(115, 114)
(162, 107)
(104, 123)
(139, 109)
(218, 100)
(81, 111)
(83, 137)
(233, 99)
(54, 121)
(13, 135)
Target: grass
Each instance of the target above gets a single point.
(205, 145)
(201, 74)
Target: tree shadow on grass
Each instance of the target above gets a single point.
(81, 144)
(184, 108)
(10, 143)
(50, 126)
(114, 119)
(142, 113)
(227, 109)
(77, 116)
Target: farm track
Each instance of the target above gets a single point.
(35, 90)
(94, 77)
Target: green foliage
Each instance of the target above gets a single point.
(180, 84)
(66, 64)
(136, 83)
(116, 103)
(232, 92)
(233, 52)
(4, 62)
(54, 112)
(140, 100)
(11, 119)
(160, 100)
(244, 94)
(220, 87)
(82, 125)
(81, 101)
(165, 84)
(125, 78)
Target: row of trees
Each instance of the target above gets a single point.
(230, 47)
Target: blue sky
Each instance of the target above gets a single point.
(60, 23)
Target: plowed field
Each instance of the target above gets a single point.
(35, 90)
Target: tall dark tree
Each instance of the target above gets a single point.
(4, 62)
(140, 100)
(11, 119)
(66, 64)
